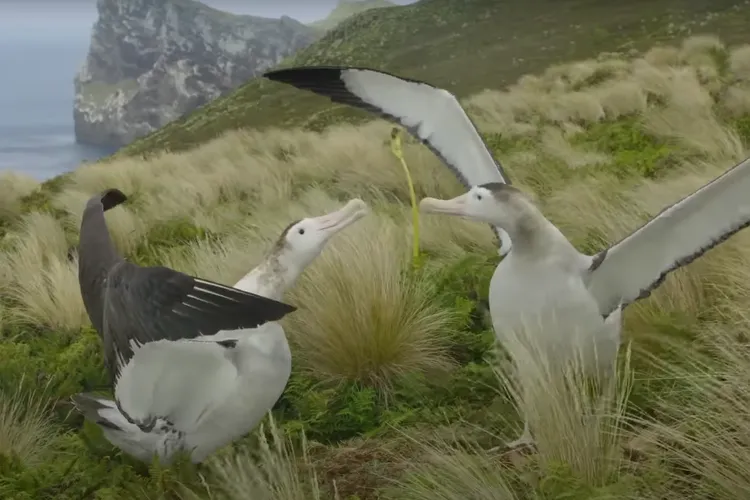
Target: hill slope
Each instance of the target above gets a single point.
(394, 378)
(463, 45)
(346, 9)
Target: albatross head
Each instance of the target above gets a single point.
(107, 199)
(303, 240)
(495, 203)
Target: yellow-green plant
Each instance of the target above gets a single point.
(398, 152)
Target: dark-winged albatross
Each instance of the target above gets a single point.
(545, 280)
(432, 115)
(200, 393)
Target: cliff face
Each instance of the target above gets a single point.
(151, 61)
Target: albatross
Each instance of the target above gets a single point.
(545, 280)
(194, 364)
(432, 115)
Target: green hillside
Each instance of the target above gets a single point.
(463, 45)
(397, 390)
(346, 9)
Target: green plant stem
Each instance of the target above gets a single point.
(398, 153)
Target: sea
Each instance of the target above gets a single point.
(42, 45)
(36, 105)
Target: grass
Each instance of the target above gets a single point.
(26, 427)
(397, 390)
(394, 326)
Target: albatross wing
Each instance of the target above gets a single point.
(430, 114)
(147, 304)
(630, 269)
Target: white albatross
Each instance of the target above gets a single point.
(197, 393)
(545, 280)
(430, 114)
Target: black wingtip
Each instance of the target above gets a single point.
(301, 74)
(111, 198)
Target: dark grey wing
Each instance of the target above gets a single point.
(633, 267)
(432, 115)
(143, 304)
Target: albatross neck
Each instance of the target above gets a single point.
(271, 278)
(96, 256)
(96, 246)
(533, 235)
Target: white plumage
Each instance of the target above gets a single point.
(200, 394)
(569, 301)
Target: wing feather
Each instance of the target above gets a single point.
(430, 114)
(631, 269)
(148, 304)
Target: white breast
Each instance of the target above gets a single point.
(264, 365)
(544, 306)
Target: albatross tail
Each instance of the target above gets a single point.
(116, 428)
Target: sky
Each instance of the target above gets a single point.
(69, 21)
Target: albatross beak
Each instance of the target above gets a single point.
(454, 206)
(343, 217)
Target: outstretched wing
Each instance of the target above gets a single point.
(632, 268)
(157, 303)
(432, 115)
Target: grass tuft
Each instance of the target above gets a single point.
(27, 429)
(392, 327)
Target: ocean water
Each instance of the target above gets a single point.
(36, 105)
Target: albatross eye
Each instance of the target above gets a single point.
(301, 230)
(478, 196)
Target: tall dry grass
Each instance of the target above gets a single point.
(447, 472)
(365, 316)
(274, 470)
(576, 422)
(704, 440)
(576, 414)
(26, 426)
(13, 187)
(44, 278)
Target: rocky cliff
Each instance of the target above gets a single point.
(151, 61)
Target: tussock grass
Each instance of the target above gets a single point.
(578, 423)
(13, 187)
(44, 284)
(706, 439)
(273, 471)
(576, 413)
(27, 428)
(392, 326)
(446, 472)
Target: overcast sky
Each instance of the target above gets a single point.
(71, 20)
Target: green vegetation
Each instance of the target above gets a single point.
(346, 9)
(397, 391)
(463, 45)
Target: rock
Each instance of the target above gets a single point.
(152, 61)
